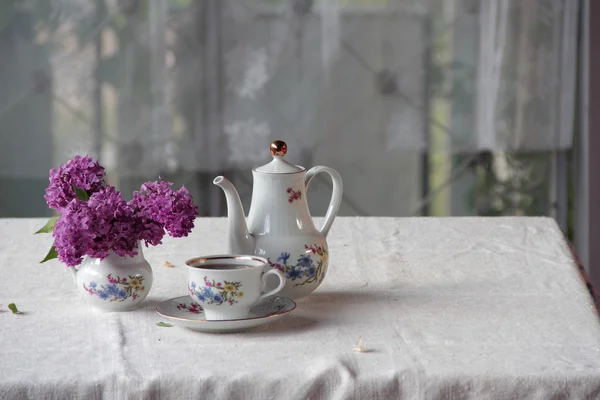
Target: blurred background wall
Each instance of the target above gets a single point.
(425, 107)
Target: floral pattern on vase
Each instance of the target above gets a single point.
(217, 293)
(117, 289)
(193, 308)
(306, 269)
(293, 194)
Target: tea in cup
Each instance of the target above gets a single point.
(227, 286)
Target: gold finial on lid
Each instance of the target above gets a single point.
(278, 148)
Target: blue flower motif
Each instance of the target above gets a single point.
(293, 273)
(311, 271)
(200, 297)
(93, 285)
(305, 261)
(193, 285)
(284, 257)
(103, 295)
(206, 292)
(122, 294)
(217, 298)
(111, 289)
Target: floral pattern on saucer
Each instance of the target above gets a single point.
(193, 308)
(266, 311)
(305, 269)
(218, 293)
(117, 289)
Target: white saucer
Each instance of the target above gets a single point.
(183, 311)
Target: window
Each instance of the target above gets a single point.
(444, 107)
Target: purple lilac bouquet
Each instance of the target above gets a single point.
(94, 219)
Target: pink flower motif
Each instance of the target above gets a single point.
(192, 308)
(294, 195)
(219, 284)
(208, 284)
(195, 310)
(320, 249)
(124, 280)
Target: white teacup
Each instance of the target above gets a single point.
(227, 286)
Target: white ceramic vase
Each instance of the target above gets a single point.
(116, 283)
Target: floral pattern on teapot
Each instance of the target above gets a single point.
(309, 267)
(293, 194)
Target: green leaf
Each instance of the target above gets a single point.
(49, 227)
(81, 194)
(12, 307)
(164, 325)
(52, 254)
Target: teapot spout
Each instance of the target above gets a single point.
(240, 239)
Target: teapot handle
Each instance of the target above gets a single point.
(336, 195)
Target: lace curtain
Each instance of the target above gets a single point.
(185, 86)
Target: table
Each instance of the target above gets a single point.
(451, 308)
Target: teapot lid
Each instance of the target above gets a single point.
(279, 165)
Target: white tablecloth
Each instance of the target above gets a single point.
(451, 308)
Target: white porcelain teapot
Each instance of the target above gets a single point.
(280, 227)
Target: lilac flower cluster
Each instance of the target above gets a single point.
(72, 233)
(174, 210)
(106, 223)
(81, 172)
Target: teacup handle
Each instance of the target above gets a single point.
(336, 195)
(278, 288)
